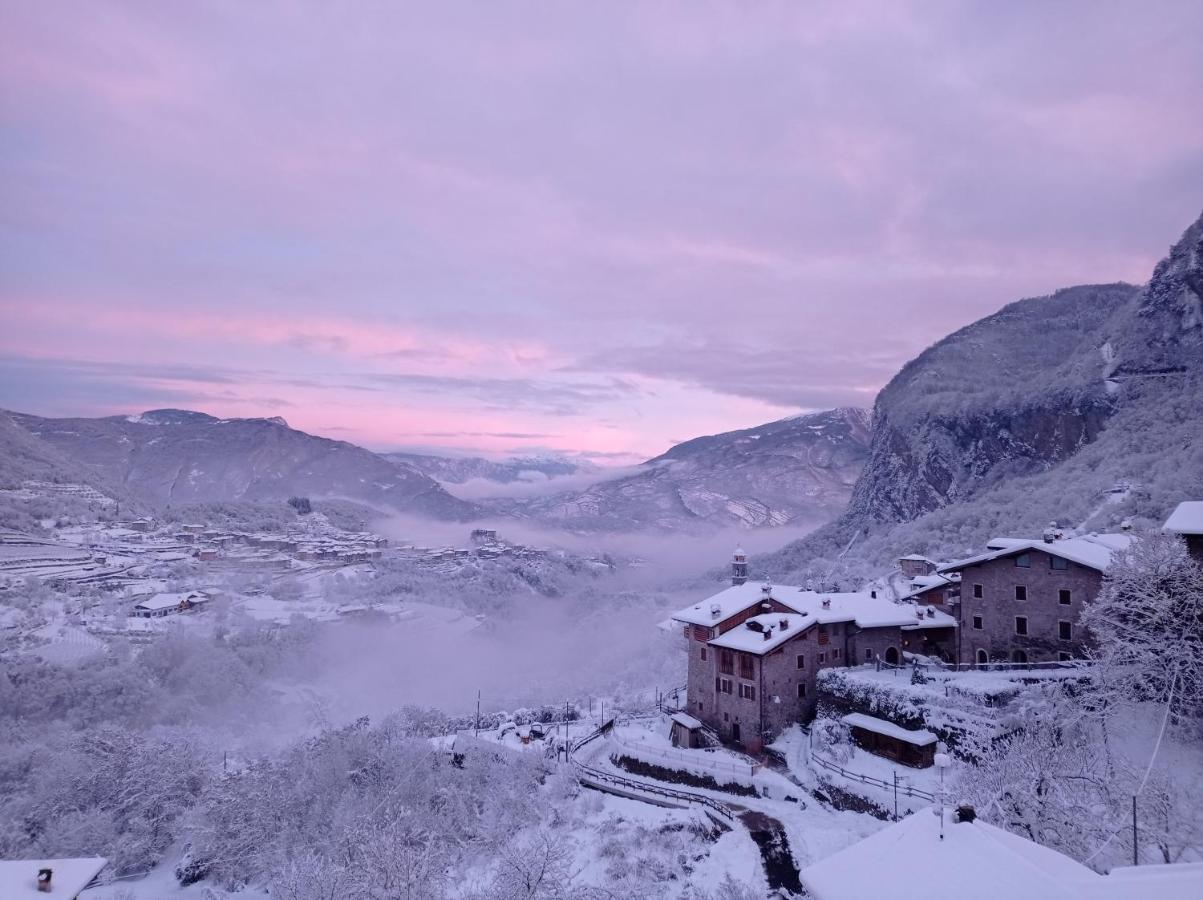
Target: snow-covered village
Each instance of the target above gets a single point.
(601, 452)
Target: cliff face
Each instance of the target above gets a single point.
(1084, 407)
(1012, 394)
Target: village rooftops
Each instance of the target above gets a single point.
(169, 601)
(976, 859)
(860, 607)
(19, 877)
(1187, 518)
(1092, 550)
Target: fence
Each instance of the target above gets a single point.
(595, 775)
(905, 789)
(697, 758)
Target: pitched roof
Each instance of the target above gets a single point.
(1092, 550)
(1187, 518)
(19, 877)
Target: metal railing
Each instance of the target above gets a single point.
(592, 773)
(697, 758)
(902, 787)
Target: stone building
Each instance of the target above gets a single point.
(755, 651)
(1020, 601)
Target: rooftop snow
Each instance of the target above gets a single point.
(167, 601)
(19, 877)
(1091, 550)
(753, 639)
(1187, 518)
(975, 859)
(920, 737)
(686, 721)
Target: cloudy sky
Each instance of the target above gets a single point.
(588, 227)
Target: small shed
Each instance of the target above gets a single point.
(34, 878)
(908, 746)
(686, 731)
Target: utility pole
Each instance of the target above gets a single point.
(476, 732)
(895, 795)
(1135, 849)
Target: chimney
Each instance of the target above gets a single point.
(44, 876)
(966, 813)
(768, 633)
(826, 603)
(715, 610)
(785, 624)
(873, 594)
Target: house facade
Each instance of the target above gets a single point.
(1021, 601)
(754, 652)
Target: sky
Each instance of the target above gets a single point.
(584, 228)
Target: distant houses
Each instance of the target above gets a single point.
(1187, 521)
(159, 605)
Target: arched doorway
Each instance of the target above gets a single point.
(1019, 656)
(892, 655)
(982, 658)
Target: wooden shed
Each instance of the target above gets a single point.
(908, 746)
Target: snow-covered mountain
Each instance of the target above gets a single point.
(1084, 407)
(175, 457)
(800, 469)
(461, 469)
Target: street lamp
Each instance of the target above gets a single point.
(942, 761)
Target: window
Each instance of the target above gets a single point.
(700, 706)
(822, 658)
(747, 692)
(718, 684)
(1024, 560)
(1065, 631)
(801, 689)
(977, 623)
(1064, 656)
(1021, 592)
(746, 667)
(1065, 597)
(982, 659)
(725, 685)
(1021, 625)
(703, 654)
(835, 654)
(724, 717)
(868, 655)
(801, 661)
(1058, 562)
(726, 662)
(977, 592)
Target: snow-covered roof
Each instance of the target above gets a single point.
(760, 634)
(975, 859)
(1180, 881)
(167, 601)
(918, 737)
(915, 557)
(929, 617)
(860, 607)
(726, 603)
(1091, 550)
(19, 877)
(686, 721)
(1187, 518)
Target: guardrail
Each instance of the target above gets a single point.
(902, 788)
(1019, 667)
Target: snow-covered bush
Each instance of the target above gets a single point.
(832, 738)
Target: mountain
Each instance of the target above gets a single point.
(1084, 407)
(799, 469)
(461, 469)
(175, 457)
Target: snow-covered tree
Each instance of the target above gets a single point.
(1147, 623)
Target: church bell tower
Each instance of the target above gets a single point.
(739, 567)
